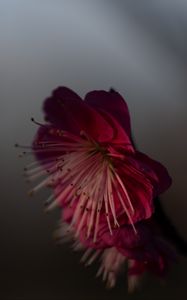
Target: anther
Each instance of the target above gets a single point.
(37, 123)
(31, 193)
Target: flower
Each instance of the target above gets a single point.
(88, 154)
(103, 184)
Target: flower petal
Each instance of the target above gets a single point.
(156, 171)
(66, 110)
(120, 139)
(140, 191)
(114, 104)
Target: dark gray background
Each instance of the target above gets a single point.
(137, 47)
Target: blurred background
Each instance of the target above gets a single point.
(137, 47)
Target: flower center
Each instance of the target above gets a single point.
(83, 177)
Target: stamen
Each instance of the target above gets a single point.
(37, 123)
(124, 190)
(86, 254)
(93, 257)
(110, 196)
(39, 186)
(82, 173)
(126, 211)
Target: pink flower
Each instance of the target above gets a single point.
(92, 165)
(103, 184)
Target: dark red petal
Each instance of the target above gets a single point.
(104, 238)
(66, 110)
(121, 139)
(151, 251)
(113, 103)
(140, 192)
(55, 110)
(156, 171)
(135, 246)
